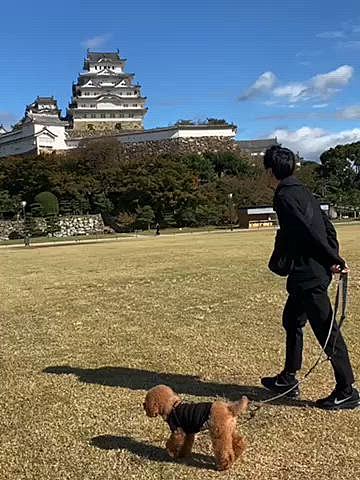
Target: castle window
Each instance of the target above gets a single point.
(92, 105)
(102, 115)
(126, 105)
(112, 115)
(93, 115)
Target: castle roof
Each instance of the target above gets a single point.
(48, 100)
(257, 145)
(110, 56)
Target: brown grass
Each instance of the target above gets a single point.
(86, 329)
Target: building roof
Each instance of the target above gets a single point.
(49, 100)
(257, 145)
(42, 120)
(84, 77)
(110, 56)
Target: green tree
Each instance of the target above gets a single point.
(339, 172)
(9, 205)
(145, 216)
(126, 221)
(309, 174)
(228, 163)
(49, 203)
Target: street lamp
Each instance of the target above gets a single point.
(23, 204)
(230, 195)
(26, 239)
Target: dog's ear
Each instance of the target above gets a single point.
(151, 406)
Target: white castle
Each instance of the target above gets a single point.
(104, 98)
(104, 102)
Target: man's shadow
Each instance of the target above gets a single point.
(149, 452)
(138, 379)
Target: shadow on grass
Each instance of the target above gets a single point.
(150, 452)
(136, 379)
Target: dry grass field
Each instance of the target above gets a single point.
(86, 329)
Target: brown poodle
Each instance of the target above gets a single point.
(187, 419)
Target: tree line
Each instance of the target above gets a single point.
(180, 189)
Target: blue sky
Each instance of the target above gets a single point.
(272, 67)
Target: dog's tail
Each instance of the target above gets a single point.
(236, 408)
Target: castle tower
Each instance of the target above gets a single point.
(104, 99)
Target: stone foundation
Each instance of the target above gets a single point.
(182, 146)
(67, 226)
(95, 129)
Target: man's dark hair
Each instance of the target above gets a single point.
(280, 160)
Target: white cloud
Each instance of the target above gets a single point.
(350, 113)
(311, 142)
(320, 105)
(331, 34)
(96, 42)
(352, 44)
(337, 78)
(320, 87)
(294, 92)
(263, 84)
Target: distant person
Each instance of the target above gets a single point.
(27, 240)
(157, 228)
(307, 241)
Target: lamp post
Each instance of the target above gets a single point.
(26, 237)
(23, 205)
(230, 195)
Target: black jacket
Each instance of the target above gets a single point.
(190, 417)
(308, 235)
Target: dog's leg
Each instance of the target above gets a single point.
(188, 444)
(239, 444)
(222, 442)
(175, 443)
(222, 426)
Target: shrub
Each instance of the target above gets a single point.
(48, 202)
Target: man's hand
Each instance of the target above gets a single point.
(337, 269)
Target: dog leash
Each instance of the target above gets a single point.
(341, 292)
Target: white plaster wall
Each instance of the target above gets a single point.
(213, 132)
(102, 66)
(107, 119)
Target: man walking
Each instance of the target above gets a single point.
(309, 244)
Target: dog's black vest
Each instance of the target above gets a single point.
(190, 417)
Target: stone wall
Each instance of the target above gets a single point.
(80, 225)
(67, 226)
(96, 128)
(175, 146)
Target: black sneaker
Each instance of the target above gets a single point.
(340, 400)
(281, 383)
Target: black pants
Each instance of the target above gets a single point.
(314, 305)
